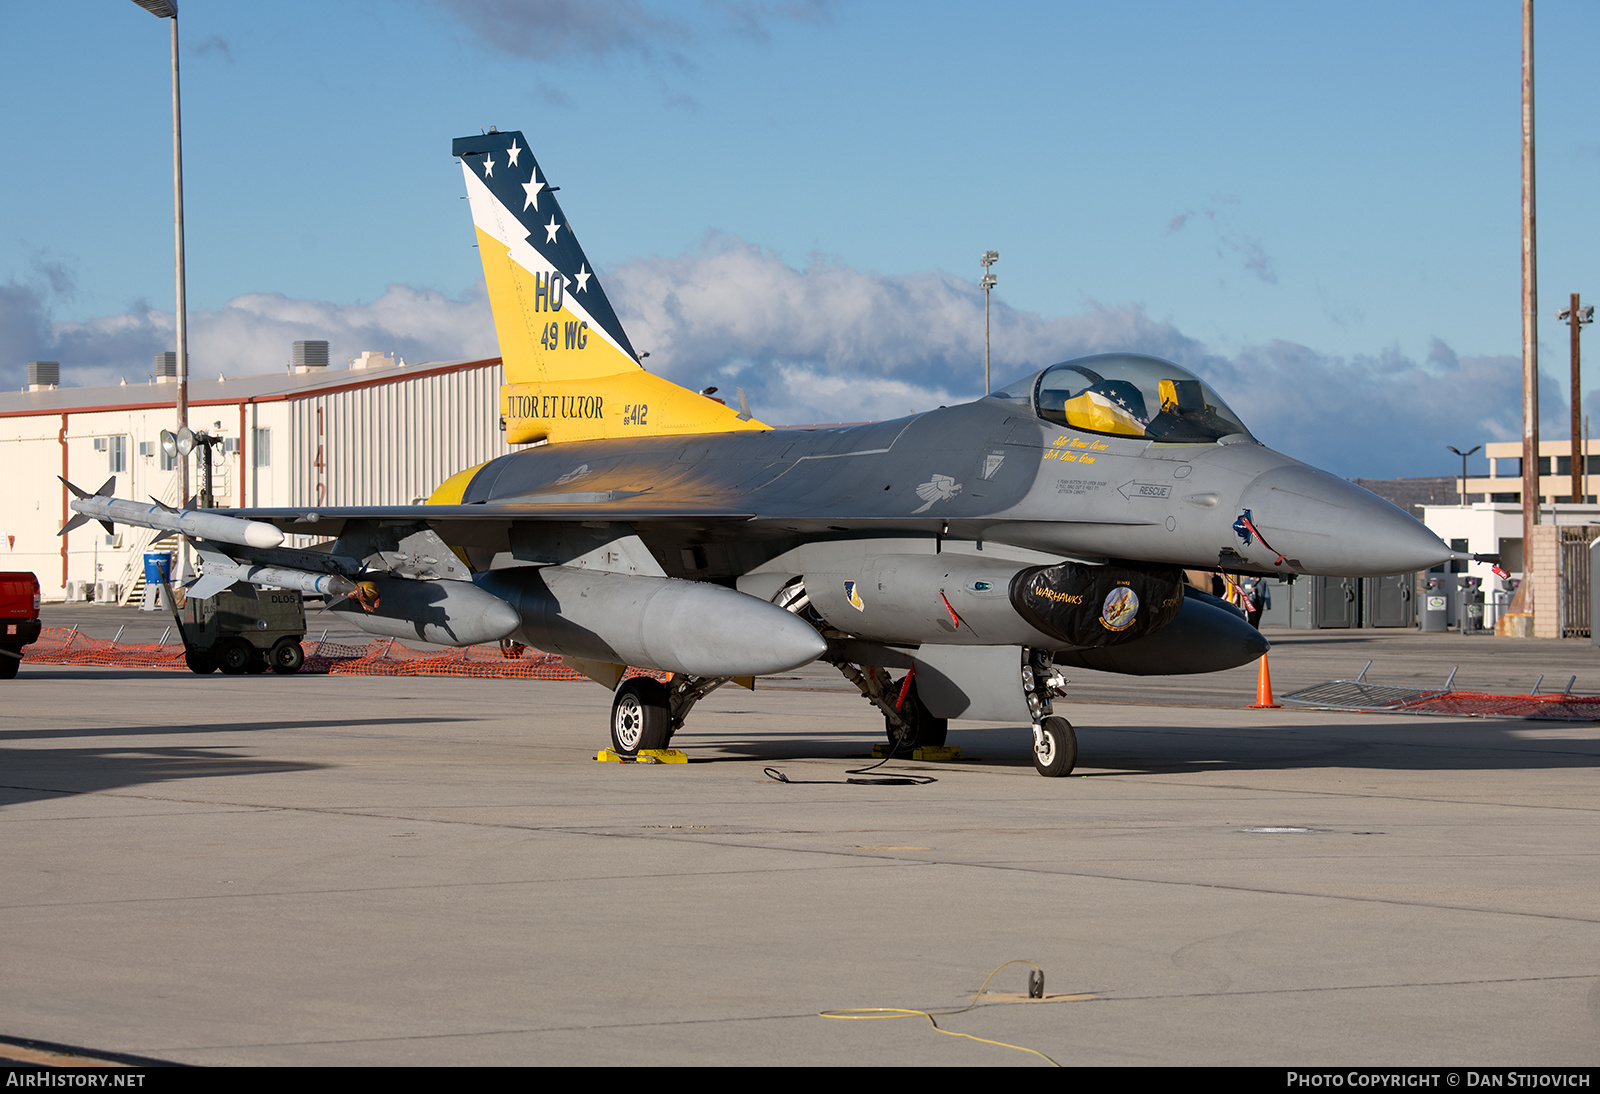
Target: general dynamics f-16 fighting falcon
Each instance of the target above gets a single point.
(950, 564)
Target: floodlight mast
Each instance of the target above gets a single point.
(989, 281)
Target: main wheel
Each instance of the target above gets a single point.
(233, 656)
(1055, 747)
(199, 661)
(641, 716)
(925, 728)
(286, 657)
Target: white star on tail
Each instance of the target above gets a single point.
(532, 188)
(488, 166)
(550, 230)
(582, 277)
(512, 153)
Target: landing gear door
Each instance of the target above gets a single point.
(982, 682)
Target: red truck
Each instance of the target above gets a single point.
(19, 619)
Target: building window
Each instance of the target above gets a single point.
(261, 448)
(117, 454)
(164, 461)
(1515, 497)
(1508, 467)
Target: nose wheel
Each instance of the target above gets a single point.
(1055, 747)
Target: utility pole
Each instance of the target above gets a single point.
(989, 281)
(1577, 316)
(1530, 321)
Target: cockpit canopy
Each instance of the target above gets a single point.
(1128, 395)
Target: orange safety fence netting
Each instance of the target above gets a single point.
(1480, 704)
(378, 657)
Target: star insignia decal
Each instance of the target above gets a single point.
(583, 276)
(488, 166)
(532, 188)
(512, 153)
(551, 229)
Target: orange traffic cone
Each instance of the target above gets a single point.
(1264, 688)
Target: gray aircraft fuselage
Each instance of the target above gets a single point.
(987, 471)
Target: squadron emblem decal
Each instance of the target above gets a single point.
(852, 593)
(938, 488)
(1120, 608)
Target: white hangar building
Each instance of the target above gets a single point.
(376, 433)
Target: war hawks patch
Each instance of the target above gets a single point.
(1120, 608)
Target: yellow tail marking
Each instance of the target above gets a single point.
(628, 404)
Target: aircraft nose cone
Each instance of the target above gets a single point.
(1324, 525)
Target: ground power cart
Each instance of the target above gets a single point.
(244, 629)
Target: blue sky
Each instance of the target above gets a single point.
(1315, 206)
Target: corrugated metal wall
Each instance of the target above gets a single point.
(382, 444)
(390, 444)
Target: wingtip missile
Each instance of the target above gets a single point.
(78, 520)
(201, 524)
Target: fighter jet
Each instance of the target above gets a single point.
(950, 564)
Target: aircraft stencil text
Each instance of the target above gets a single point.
(555, 406)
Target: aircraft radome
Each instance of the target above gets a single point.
(948, 563)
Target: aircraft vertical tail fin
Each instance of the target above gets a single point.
(571, 373)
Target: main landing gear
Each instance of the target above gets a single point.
(645, 712)
(907, 722)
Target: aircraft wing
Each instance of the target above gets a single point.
(572, 508)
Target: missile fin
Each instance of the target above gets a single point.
(75, 491)
(78, 520)
(218, 573)
(209, 585)
(107, 488)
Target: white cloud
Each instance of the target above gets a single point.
(250, 334)
(828, 342)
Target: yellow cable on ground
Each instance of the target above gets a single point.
(871, 1013)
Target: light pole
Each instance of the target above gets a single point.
(1463, 456)
(1577, 315)
(989, 281)
(168, 10)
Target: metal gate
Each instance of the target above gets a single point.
(1575, 540)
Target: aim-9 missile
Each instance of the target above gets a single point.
(220, 571)
(200, 523)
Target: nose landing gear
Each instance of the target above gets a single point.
(1055, 747)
